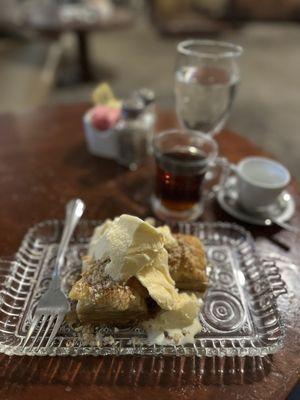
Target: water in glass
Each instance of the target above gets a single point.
(204, 97)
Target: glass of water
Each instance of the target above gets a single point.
(206, 80)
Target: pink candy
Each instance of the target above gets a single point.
(104, 118)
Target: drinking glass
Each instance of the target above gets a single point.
(184, 159)
(206, 80)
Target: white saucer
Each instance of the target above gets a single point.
(282, 210)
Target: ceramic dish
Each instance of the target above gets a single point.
(281, 211)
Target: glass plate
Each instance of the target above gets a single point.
(239, 317)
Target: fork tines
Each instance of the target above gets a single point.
(41, 321)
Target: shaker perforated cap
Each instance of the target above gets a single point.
(131, 108)
(147, 95)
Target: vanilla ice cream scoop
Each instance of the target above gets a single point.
(157, 279)
(128, 242)
(136, 248)
(98, 246)
(176, 326)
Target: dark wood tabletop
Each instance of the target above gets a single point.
(44, 163)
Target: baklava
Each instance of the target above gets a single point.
(134, 271)
(101, 300)
(187, 263)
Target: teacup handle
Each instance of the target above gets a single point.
(226, 169)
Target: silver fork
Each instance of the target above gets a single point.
(54, 305)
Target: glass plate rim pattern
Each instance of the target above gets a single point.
(266, 272)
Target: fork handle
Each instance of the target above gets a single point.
(74, 211)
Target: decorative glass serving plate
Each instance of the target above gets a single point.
(239, 316)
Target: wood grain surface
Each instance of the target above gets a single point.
(44, 163)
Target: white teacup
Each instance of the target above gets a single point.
(259, 182)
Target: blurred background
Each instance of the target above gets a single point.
(55, 51)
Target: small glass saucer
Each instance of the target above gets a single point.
(282, 210)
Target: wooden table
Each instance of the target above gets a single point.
(43, 163)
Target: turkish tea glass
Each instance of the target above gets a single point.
(184, 160)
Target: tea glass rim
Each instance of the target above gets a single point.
(227, 49)
(188, 132)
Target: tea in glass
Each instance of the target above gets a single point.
(182, 160)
